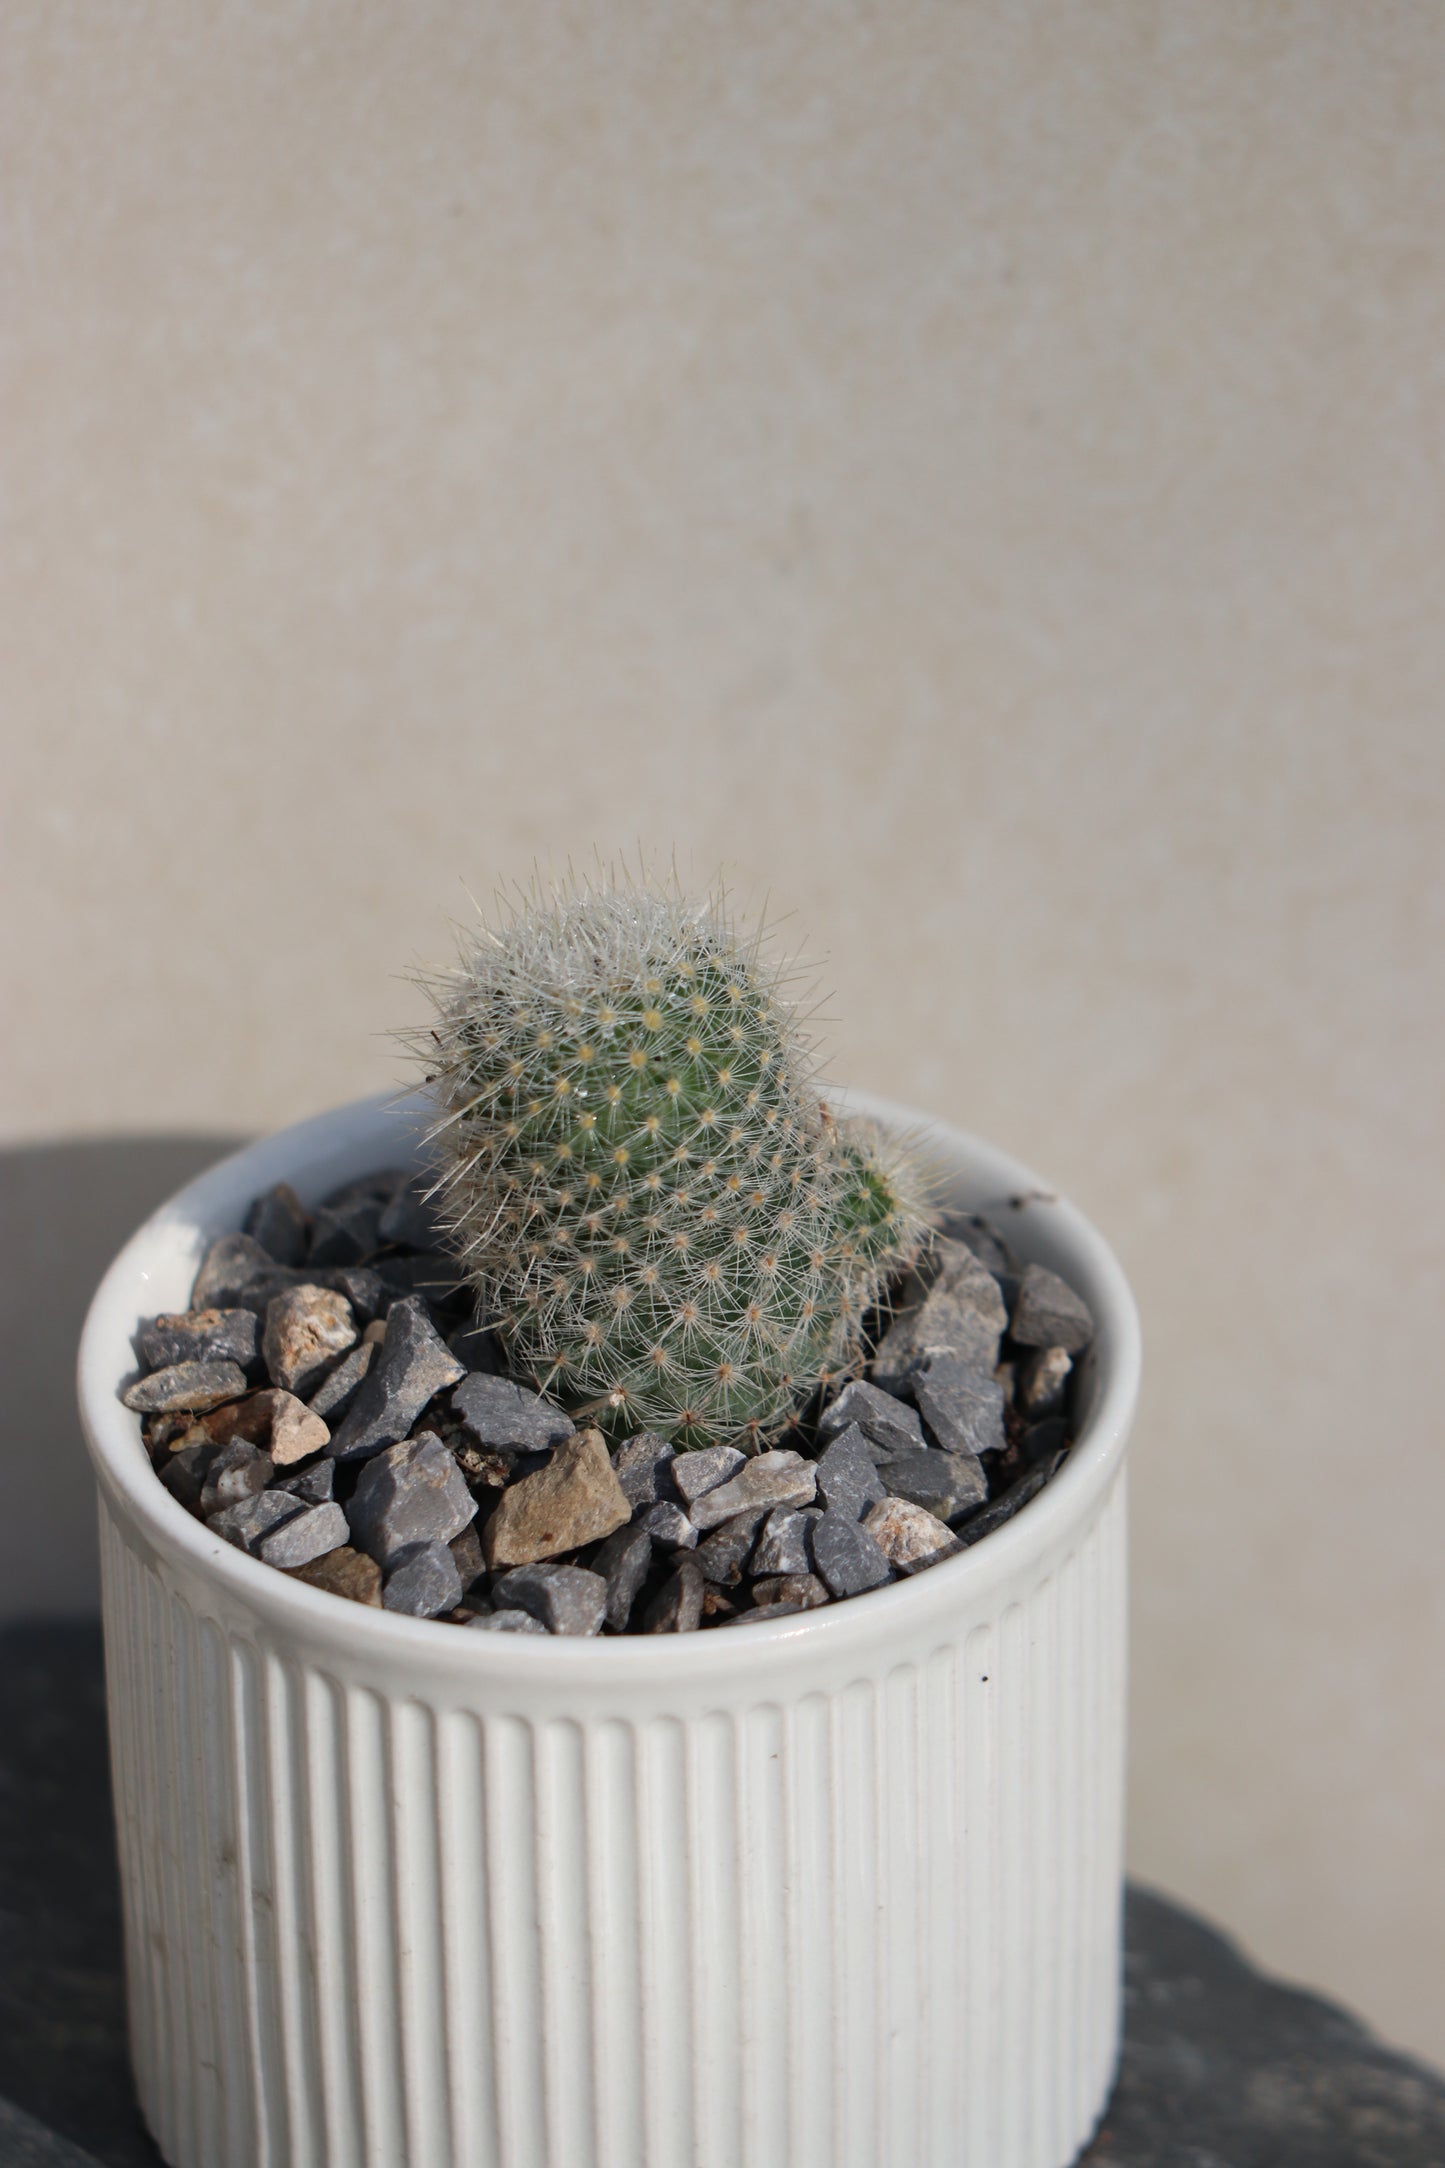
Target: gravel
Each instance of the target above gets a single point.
(278, 1222)
(908, 1535)
(783, 1545)
(961, 1314)
(768, 1479)
(962, 1410)
(423, 1581)
(624, 1561)
(846, 1555)
(847, 1478)
(389, 1414)
(344, 1572)
(505, 1418)
(342, 1382)
(248, 1523)
(677, 1606)
(414, 1365)
(644, 1469)
(410, 1493)
(1047, 1313)
(950, 1485)
(306, 1328)
(236, 1472)
(889, 1424)
(199, 1336)
(575, 1499)
(186, 1388)
(567, 1599)
(1043, 1383)
(310, 1534)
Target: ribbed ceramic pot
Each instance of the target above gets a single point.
(839, 1889)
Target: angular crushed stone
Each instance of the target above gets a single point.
(414, 1365)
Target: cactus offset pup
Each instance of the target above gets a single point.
(640, 1175)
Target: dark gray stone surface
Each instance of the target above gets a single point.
(1222, 2068)
(847, 1479)
(413, 1366)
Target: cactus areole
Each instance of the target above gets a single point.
(639, 1173)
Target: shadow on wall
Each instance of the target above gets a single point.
(65, 1210)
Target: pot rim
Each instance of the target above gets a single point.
(292, 1608)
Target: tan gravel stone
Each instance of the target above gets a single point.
(306, 1327)
(343, 1572)
(909, 1536)
(575, 1499)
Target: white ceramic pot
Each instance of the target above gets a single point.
(841, 1889)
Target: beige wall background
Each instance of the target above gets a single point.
(975, 472)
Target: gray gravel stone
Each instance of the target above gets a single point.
(249, 1523)
(199, 1336)
(780, 1478)
(237, 1472)
(1047, 1313)
(574, 1499)
(316, 1485)
(704, 1470)
(801, 1591)
(414, 1365)
(503, 1417)
(567, 1599)
(644, 1469)
(412, 1492)
(983, 1238)
(368, 1297)
(186, 1388)
(951, 1485)
(624, 1562)
(962, 1409)
(961, 1315)
(783, 1545)
(184, 1473)
(846, 1556)
(310, 1534)
(423, 1582)
(229, 1266)
(888, 1423)
(847, 1478)
(910, 1537)
(668, 1525)
(342, 1382)
(764, 1612)
(345, 1234)
(278, 1221)
(307, 1327)
(1006, 1505)
(410, 1219)
(677, 1606)
(506, 1622)
(724, 1553)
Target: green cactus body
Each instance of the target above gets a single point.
(641, 1176)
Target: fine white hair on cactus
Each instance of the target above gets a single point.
(638, 1169)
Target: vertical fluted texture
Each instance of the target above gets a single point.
(866, 1921)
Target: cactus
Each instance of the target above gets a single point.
(638, 1171)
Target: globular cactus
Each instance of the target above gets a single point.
(640, 1175)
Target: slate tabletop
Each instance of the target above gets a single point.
(1222, 2068)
